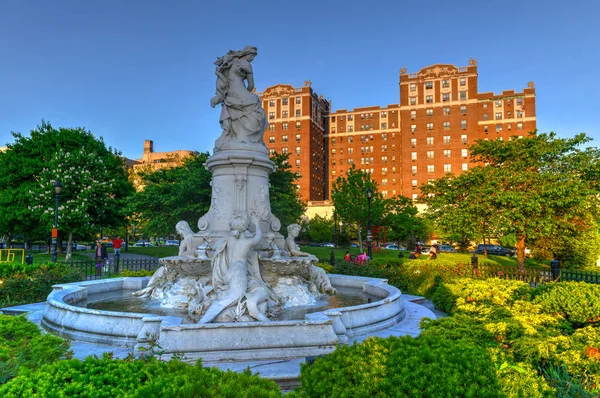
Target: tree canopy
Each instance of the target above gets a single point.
(533, 187)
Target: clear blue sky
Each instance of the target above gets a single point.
(130, 70)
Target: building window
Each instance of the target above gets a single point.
(430, 168)
(271, 127)
(384, 170)
(519, 126)
(413, 114)
(413, 142)
(429, 112)
(519, 114)
(428, 85)
(485, 116)
(463, 81)
(413, 100)
(499, 104)
(332, 151)
(463, 95)
(446, 111)
(429, 99)
(298, 100)
(464, 153)
(297, 150)
(350, 138)
(498, 115)
(445, 83)
(285, 150)
(463, 110)
(350, 129)
(413, 155)
(332, 172)
(284, 138)
(447, 153)
(485, 129)
(445, 97)
(384, 181)
(413, 87)
(383, 137)
(284, 101)
(447, 168)
(350, 150)
(446, 139)
(414, 183)
(429, 154)
(383, 148)
(519, 101)
(298, 125)
(271, 140)
(333, 141)
(383, 114)
(298, 113)
(284, 114)
(413, 128)
(485, 105)
(271, 103)
(271, 115)
(384, 159)
(415, 196)
(498, 127)
(463, 124)
(284, 126)
(465, 166)
(463, 138)
(429, 140)
(370, 116)
(383, 126)
(297, 137)
(509, 115)
(271, 151)
(446, 125)
(298, 162)
(413, 169)
(350, 117)
(429, 126)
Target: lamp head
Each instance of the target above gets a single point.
(369, 193)
(58, 187)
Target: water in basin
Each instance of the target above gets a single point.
(123, 301)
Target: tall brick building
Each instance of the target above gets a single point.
(428, 134)
(297, 125)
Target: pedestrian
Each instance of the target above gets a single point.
(347, 257)
(101, 257)
(362, 258)
(413, 256)
(117, 242)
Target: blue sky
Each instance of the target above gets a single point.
(131, 70)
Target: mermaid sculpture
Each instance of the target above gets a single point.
(243, 118)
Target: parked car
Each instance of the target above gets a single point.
(354, 245)
(315, 245)
(143, 243)
(391, 246)
(82, 247)
(172, 243)
(495, 250)
(447, 249)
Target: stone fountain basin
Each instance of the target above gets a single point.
(317, 334)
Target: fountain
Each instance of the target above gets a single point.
(238, 273)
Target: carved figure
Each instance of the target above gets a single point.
(189, 243)
(290, 241)
(243, 118)
(229, 266)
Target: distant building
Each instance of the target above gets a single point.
(297, 125)
(3, 148)
(159, 160)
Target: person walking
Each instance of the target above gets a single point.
(101, 257)
(347, 257)
(117, 242)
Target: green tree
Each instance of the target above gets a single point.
(74, 156)
(349, 198)
(536, 186)
(286, 204)
(320, 229)
(170, 195)
(400, 216)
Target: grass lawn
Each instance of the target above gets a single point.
(323, 254)
(41, 258)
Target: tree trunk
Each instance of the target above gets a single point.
(521, 252)
(69, 246)
(484, 248)
(360, 241)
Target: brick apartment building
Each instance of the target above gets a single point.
(428, 134)
(298, 120)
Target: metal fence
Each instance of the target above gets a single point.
(112, 267)
(536, 276)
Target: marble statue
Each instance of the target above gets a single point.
(243, 118)
(189, 242)
(290, 241)
(229, 266)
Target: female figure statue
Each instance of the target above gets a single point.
(243, 118)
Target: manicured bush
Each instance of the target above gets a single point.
(114, 378)
(578, 302)
(142, 272)
(22, 345)
(35, 283)
(402, 367)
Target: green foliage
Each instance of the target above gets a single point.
(578, 302)
(536, 187)
(286, 204)
(328, 268)
(402, 367)
(402, 220)
(34, 283)
(22, 345)
(172, 194)
(349, 197)
(320, 229)
(32, 162)
(107, 377)
(577, 249)
(135, 274)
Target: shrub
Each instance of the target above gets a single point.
(328, 268)
(139, 273)
(35, 283)
(22, 345)
(578, 302)
(402, 367)
(107, 377)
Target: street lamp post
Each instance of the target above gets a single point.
(334, 228)
(369, 235)
(57, 190)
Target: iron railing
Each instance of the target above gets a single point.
(112, 267)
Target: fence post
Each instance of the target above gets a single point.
(555, 269)
(332, 258)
